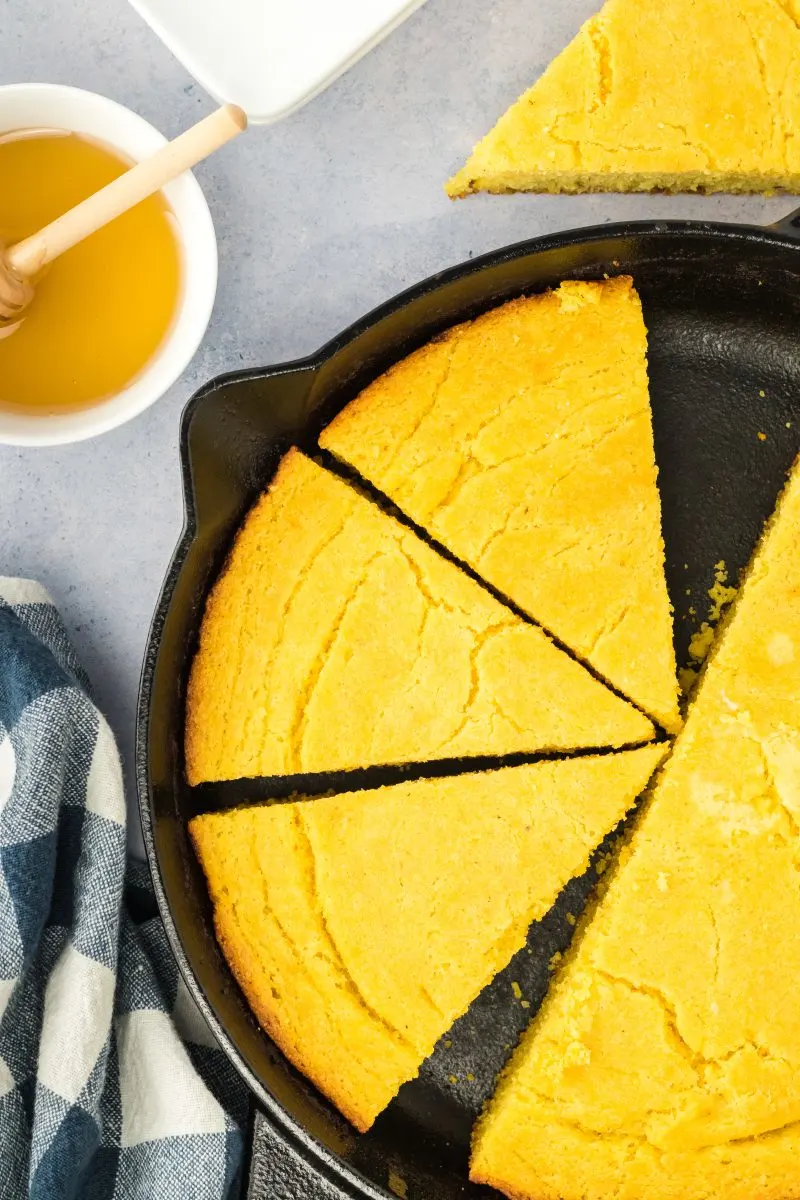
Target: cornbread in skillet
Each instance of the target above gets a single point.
(336, 638)
(360, 926)
(665, 1064)
(523, 442)
(679, 95)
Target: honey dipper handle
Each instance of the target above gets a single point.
(141, 181)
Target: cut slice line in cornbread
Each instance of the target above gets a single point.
(680, 96)
(523, 442)
(360, 926)
(665, 1064)
(336, 638)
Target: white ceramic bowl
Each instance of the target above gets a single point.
(51, 106)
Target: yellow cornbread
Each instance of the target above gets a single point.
(523, 442)
(336, 638)
(665, 1064)
(360, 926)
(679, 95)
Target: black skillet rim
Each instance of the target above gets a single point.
(785, 231)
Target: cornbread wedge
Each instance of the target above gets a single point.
(679, 95)
(523, 442)
(665, 1064)
(336, 638)
(360, 926)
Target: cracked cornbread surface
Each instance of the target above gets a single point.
(678, 95)
(336, 638)
(357, 950)
(665, 1064)
(523, 442)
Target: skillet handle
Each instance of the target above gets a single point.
(789, 225)
(278, 1172)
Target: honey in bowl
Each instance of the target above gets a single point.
(100, 311)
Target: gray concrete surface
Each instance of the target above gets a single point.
(319, 219)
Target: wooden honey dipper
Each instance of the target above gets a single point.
(21, 263)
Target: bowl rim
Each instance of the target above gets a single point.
(131, 134)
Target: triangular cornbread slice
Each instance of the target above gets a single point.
(680, 95)
(336, 638)
(666, 1063)
(523, 442)
(360, 926)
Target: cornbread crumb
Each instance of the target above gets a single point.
(571, 918)
(762, 437)
(397, 1184)
(516, 989)
(470, 1077)
(701, 642)
(523, 442)
(318, 938)
(453, 1078)
(721, 596)
(604, 860)
(715, 74)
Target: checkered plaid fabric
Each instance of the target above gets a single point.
(111, 1087)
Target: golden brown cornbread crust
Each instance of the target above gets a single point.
(335, 638)
(523, 442)
(665, 1064)
(675, 95)
(314, 903)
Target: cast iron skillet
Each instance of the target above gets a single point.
(722, 304)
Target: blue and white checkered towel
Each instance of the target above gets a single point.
(110, 1084)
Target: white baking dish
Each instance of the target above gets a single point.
(271, 56)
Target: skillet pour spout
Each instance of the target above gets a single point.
(722, 304)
